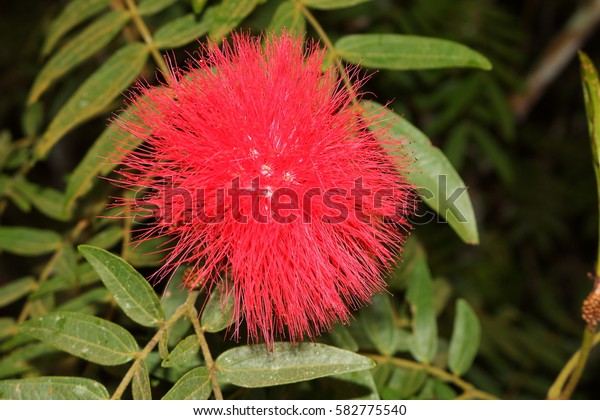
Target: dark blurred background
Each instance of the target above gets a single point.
(528, 168)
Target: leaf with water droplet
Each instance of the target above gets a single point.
(129, 288)
(86, 336)
(256, 366)
(52, 388)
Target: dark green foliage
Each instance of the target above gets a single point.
(501, 316)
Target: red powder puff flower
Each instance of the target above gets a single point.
(259, 165)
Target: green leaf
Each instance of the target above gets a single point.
(256, 366)
(28, 241)
(31, 121)
(52, 388)
(150, 7)
(404, 383)
(363, 378)
(47, 201)
(194, 385)
(439, 186)
(218, 311)
(86, 274)
(72, 15)
(140, 385)
(288, 16)
(89, 41)
(15, 290)
(85, 336)
(342, 338)
(107, 238)
(198, 5)
(185, 353)
(129, 288)
(81, 302)
(8, 327)
(173, 297)
(181, 31)
(6, 148)
(466, 337)
(95, 94)
(420, 296)
(332, 4)
(147, 253)
(19, 360)
(591, 95)
(407, 52)
(52, 285)
(94, 162)
(66, 264)
(378, 322)
(228, 15)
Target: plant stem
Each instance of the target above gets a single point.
(42, 277)
(574, 363)
(147, 36)
(208, 359)
(586, 346)
(140, 357)
(47, 270)
(470, 391)
(336, 57)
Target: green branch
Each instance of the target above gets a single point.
(469, 390)
(147, 36)
(182, 311)
(575, 362)
(208, 359)
(329, 44)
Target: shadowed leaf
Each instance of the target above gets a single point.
(228, 14)
(194, 385)
(28, 241)
(72, 15)
(100, 159)
(289, 17)
(16, 289)
(184, 353)
(140, 385)
(466, 336)
(95, 94)
(420, 296)
(79, 48)
(150, 7)
(181, 31)
(332, 4)
(218, 312)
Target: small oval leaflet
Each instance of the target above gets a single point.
(184, 353)
(465, 339)
(194, 385)
(424, 342)
(218, 314)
